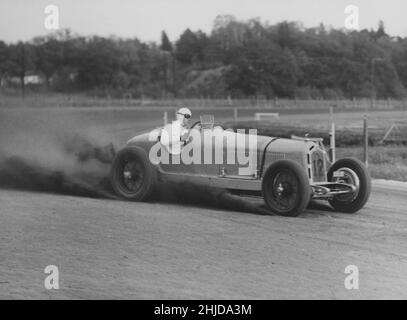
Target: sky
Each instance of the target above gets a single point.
(145, 19)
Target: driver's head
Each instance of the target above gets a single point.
(183, 115)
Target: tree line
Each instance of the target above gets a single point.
(236, 59)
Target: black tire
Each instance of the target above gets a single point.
(286, 181)
(133, 177)
(355, 202)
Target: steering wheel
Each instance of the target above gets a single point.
(195, 124)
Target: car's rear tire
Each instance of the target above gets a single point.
(286, 188)
(355, 172)
(133, 177)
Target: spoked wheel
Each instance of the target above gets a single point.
(353, 172)
(286, 188)
(132, 175)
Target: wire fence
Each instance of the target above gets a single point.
(66, 100)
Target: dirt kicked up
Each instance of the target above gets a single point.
(43, 154)
(62, 153)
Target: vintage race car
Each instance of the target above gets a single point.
(287, 173)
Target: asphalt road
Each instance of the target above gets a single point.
(117, 249)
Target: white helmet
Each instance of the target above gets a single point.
(185, 112)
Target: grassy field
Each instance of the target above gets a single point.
(385, 162)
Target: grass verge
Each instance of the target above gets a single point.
(385, 162)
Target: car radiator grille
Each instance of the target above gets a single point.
(318, 166)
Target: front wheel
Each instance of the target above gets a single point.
(286, 188)
(351, 171)
(132, 175)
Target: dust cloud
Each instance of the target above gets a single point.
(50, 150)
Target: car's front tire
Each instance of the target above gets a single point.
(132, 175)
(355, 173)
(286, 188)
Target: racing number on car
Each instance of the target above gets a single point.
(318, 167)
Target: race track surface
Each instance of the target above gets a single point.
(116, 249)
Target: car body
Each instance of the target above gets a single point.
(299, 166)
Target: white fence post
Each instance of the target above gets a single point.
(365, 141)
(332, 136)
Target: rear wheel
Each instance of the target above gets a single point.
(351, 171)
(132, 175)
(286, 188)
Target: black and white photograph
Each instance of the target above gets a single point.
(203, 151)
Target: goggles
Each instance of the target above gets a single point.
(186, 116)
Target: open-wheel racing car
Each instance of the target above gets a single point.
(288, 173)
